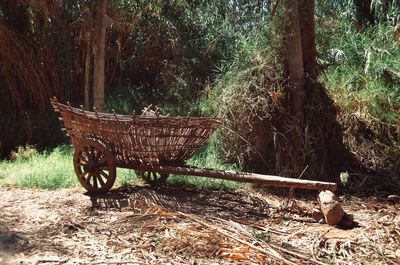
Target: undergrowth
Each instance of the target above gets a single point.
(208, 156)
(53, 169)
(361, 71)
(48, 170)
(259, 131)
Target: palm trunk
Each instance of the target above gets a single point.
(295, 58)
(99, 56)
(87, 70)
(307, 28)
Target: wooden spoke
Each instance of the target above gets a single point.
(83, 174)
(102, 167)
(95, 185)
(104, 174)
(89, 178)
(100, 179)
(85, 152)
(83, 158)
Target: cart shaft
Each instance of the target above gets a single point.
(241, 177)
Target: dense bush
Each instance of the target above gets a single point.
(361, 70)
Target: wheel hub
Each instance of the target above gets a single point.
(90, 166)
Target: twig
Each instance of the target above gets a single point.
(276, 246)
(302, 173)
(271, 251)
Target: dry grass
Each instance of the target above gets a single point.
(177, 226)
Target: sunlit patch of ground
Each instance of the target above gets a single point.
(143, 225)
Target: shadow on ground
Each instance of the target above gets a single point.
(217, 203)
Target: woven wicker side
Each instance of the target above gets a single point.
(145, 140)
(162, 143)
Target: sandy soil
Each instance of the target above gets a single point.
(144, 225)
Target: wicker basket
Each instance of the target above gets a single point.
(134, 140)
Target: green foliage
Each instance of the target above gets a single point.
(23, 153)
(210, 57)
(48, 170)
(344, 177)
(248, 97)
(208, 156)
(178, 47)
(362, 12)
(260, 235)
(362, 69)
(245, 99)
(203, 183)
(158, 52)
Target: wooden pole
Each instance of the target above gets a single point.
(240, 177)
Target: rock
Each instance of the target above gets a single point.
(330, 207)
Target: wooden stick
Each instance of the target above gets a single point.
(95, 111)
(69, 105)
(144, 111)
(115, 115)
(240, 177)
(83, 110)
(270, 252)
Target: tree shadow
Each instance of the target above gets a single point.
(211, 202)
(11, 242)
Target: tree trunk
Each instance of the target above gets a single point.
(307, 29)
(99, 55)
(295, 58)
(87, 70)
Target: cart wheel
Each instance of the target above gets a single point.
(153, 178)
(94, 166)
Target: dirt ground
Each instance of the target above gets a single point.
(145, 225)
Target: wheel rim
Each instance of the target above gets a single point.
(94, 166)
(153, 178)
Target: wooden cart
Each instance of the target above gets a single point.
(155, 146)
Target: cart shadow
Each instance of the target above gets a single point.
(216, 203)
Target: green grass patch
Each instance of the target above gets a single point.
(54, 169)
(207, 157)
(48, 170)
